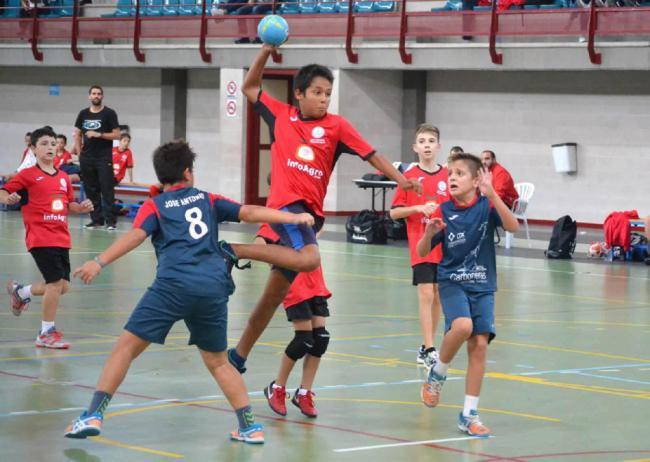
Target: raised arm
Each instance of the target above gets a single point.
(253, 79)
(508, 220)
(89, 270)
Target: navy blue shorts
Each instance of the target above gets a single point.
(160, 308)
(460, 303)
(296, 236)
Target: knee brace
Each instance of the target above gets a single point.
(321, 340)
(302, 342)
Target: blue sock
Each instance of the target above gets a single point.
(235, 359)
(245, 417)
(99, 402)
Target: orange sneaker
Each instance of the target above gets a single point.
(472, 425)
(430, 392)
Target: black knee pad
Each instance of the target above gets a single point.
(321, 340)
(302, 342)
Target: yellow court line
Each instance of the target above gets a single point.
(572, 386)
(448, 406)
(569, 350)
(101, 439)
(592, 323)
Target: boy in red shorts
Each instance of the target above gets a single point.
(49, 199)
(417, 208)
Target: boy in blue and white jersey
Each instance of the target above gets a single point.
(466, 278)
(192, 282)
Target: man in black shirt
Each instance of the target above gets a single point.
(95, 129)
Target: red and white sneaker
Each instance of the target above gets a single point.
(52, 339)
(305, 403)
(276, 397)
(18, 304)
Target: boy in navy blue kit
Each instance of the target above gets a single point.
(467, 278)
(192, 282)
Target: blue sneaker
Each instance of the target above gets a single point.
(472, 425)
(430, 392)
(252, 435)
(85, 425)
(237, 361)
(230, 257)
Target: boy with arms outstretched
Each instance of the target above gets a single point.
(192, 282)
(467, 278)
(49, 198)
(306, 143)
(417, 208)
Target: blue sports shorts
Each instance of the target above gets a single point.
(161, 307)
(460, 303)
(296, 236)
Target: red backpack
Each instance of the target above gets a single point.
(617, 229)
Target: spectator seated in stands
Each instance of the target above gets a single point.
(27, 160)
(64, 161)
(501, 178)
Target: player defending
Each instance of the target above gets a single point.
(467, 278)
(49, 199)
(417, 209)
(306, 143)
(192, 283)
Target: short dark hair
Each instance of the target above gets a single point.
(473, 162)
(28, 134)
(97, 87)
(125, 135)
(63, 137)
(171, 159)
(492, 155)
(427, 128)
(307, 73)
(456, 150)
(40, 133)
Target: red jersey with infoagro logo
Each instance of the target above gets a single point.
(46, 213)
(304, 152)
(434, 189)
(306, 285)
(121, 161)
(64, 158)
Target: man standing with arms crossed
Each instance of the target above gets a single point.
(95, 129)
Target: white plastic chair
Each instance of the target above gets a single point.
(520, 208)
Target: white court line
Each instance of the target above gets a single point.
(410, 443)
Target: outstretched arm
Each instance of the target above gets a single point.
(403, 212)
(508, 220)
(381, 163)
(258, 214)
(89, 270)
(253, 79)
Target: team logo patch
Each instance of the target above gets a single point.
(442, 186)
(318, 132)
(305, 153)
(57, 205)
(92, 124)
(64, 184)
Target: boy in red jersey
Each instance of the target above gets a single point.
(306, 142)
(306, 308)
(45, 215)
(416, 209)
(123, 159)
(63, 159)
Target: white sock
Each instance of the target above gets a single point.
(302, 391)
(46, 325)
(471, 404)
(275, 385)
(25, 292)
(441, 368)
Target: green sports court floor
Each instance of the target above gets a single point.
(568, 374)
